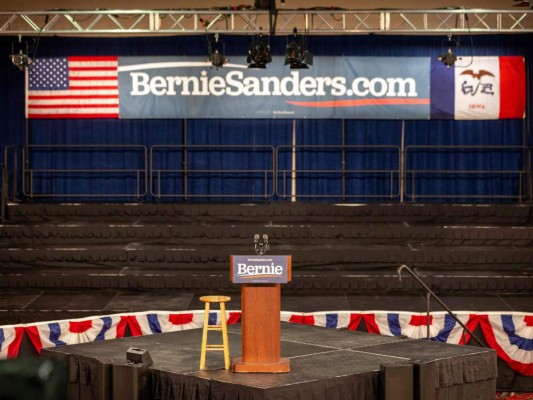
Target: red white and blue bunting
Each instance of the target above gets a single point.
(65, 332)
(510, 334)
(10, 338)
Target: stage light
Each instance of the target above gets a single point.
(259, 52)
(20, 59)
(449, 58)
(297, 56)
(216, 52)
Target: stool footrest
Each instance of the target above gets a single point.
(214, 327)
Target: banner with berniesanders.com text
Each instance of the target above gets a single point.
(334, 87)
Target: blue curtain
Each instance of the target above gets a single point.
(325, 133)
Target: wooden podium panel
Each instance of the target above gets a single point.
(261, 330)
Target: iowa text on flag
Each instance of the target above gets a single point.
(479, 88)
(10, 338)
(73, 87)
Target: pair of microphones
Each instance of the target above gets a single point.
(261, 244)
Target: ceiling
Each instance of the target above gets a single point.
(166, 17)
(38, 5)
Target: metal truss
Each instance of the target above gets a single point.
(315, 22)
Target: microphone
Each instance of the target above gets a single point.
(261, 246)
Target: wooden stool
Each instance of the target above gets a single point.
(222, 327)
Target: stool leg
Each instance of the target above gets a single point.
(204, 336)
(224, 334)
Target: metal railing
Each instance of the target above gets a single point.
(347, 177)
(516, 179)
(203, 171)
(85, 173)
(3, 194)
(264, 172)
(249, 21)
(9, 169)
(430, 293)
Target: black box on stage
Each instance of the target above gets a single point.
(130, 377)
(396, 381)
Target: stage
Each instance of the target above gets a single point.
(325, 364)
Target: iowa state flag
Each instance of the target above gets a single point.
(479, 88)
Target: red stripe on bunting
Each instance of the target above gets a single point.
(420, 320)
(355, 321)
(234, 318)
(302, 319)
(35, 337)
(134, 326)
(80, 326)
(14, 346)
(180, 319)
(370, 322)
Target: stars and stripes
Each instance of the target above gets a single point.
(73, 87)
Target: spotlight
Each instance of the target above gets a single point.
(297, 55)
(21, 60)
(449, 58)
(259, 52)
(216, 52)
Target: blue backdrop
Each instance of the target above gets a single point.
(271, 132)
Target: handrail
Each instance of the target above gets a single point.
(8, 167)
(31, 174)
(347, 175)
(191, 169)
(3, 194)
(339, 168)
(444, 306)
(412, 175)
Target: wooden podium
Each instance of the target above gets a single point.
(261, 326)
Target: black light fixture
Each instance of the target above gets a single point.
(265, 4)
(259, 52)
(297, 56)
(269, 5)
(448, 58)
(20, 59)
(216, 52)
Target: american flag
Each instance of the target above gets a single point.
(73, 87)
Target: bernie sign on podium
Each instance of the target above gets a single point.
(260, 269)
(260, 277)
